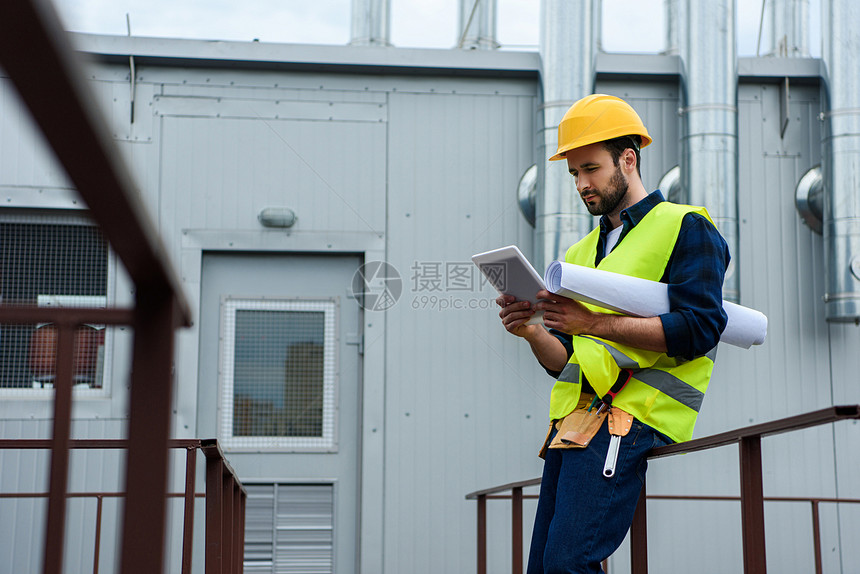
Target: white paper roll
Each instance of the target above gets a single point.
(644, 298)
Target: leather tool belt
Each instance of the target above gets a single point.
(578, 428)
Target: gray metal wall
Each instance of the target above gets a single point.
(465, 403)
(452, 403)
(427, 167)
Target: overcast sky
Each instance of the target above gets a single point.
(628, 25)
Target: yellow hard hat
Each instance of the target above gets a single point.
(598, 118)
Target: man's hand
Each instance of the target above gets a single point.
(515, 314)
(574, 318)
(565, 315)
(548, 350)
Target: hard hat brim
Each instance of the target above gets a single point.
(562, 153)
(597, 118)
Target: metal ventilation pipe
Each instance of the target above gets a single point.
(670, 185)
(841, 153)
(789, 20)
(371, 23)
(710, 142)
(569, 42)
(809, 199)
(672, 24)
(477, 25)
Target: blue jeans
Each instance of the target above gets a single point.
(582, 517)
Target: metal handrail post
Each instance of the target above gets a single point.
(145, 513)
(55, 529)
(214, 505)
(816, 537)
(517, 530)
(238, 527)
(639, 536)
(752, 506)
(482, 534)
(227, 523)
(188, 526)
(98, 543)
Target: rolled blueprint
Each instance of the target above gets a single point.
(644, 298)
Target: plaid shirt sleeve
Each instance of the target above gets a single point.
(695, 275)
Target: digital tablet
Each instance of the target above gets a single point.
(508, 270)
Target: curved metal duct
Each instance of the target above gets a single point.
(809, 199)
(371, 23)
(570, 39)
(789, 25)
(841, 153)
(527, 193)
(670, 185)
(477, 25)
(710, 142)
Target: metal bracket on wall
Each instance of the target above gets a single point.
(132, 73)
(356, 339)
(783, 107)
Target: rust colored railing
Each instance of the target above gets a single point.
(752, 494)
(224, 498)
(38, 58)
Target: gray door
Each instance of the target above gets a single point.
(279, 386)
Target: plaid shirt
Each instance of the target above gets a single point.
(694, 274)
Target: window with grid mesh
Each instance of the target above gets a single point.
(278, 373)
(53, 262)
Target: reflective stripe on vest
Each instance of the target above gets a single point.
(570, 373)
(663, 381)
(664, 392)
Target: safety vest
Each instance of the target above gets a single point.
(663, 392)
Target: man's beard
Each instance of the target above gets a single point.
(611, 197)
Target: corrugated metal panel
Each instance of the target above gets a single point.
(25, 160)
(259, 528)
(304, 529)
(275, 87)
(844, 344)
(22, 529)
(218, 174)
(466, 404)
(289, 528)
(781, 274)
(30, 175)
(780, 261)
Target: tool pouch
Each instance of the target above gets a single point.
(578, 428)
(620, 422)
(584, 400)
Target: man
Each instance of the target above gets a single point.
(649, 374)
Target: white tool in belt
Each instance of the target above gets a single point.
(611, 456)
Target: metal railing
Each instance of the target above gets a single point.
(751, 498)
(224, 498)
(38, 58)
